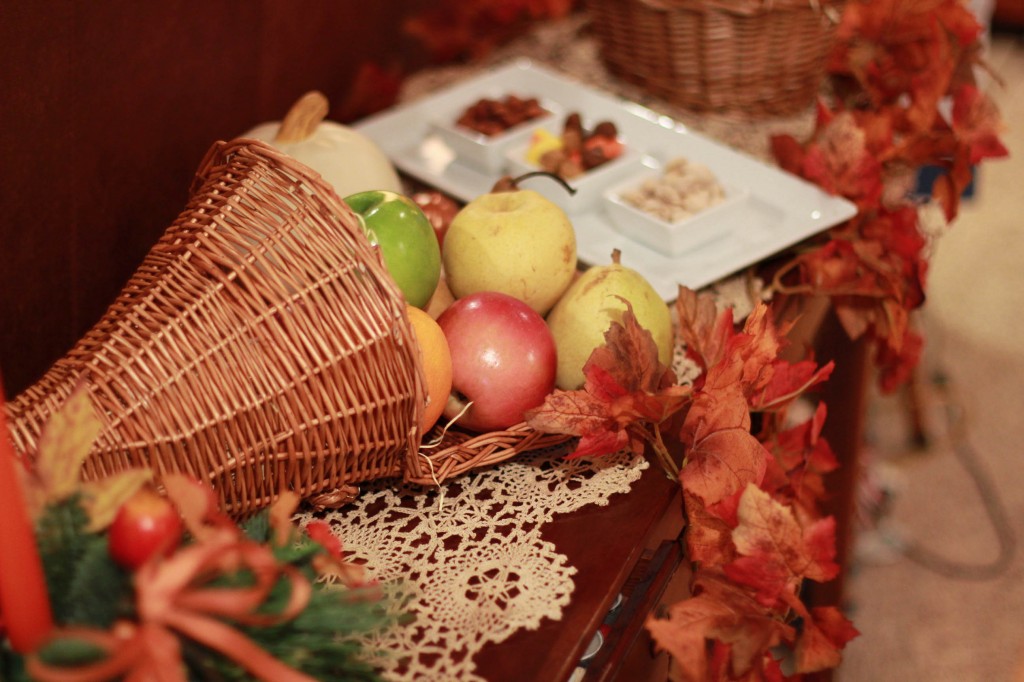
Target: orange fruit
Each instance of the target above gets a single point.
(437, 365)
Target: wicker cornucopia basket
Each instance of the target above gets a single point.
(260, 346)
(753, 58)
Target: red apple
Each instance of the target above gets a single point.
(145, 525)
(503, 360)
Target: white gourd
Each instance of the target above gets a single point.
(347, 159)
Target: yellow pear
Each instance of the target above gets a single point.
(587, 309)
(516, 242)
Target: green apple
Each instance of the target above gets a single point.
(515, 242)
(582, 316)
(406, 239)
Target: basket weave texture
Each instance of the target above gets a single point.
(752, 58)
(260, 346)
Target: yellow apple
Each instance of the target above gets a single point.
(515, 242)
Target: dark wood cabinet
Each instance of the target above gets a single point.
(108, 108)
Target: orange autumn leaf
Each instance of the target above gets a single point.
(703, 329)
(685, 630)
(824, 634)
(628, 361)
(723, 612)
(722, 456)
(768, 527)
(895, 67)
(197, 504)
(775, 551)
(895, 47)
(708, 536)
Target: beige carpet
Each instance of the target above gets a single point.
(917, 622)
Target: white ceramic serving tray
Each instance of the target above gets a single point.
(779, 209)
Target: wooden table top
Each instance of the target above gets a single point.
(604, 544)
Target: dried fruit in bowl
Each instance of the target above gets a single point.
(490, 116)
(576, 150)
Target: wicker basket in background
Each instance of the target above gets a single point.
(752, 58)
(260, 346)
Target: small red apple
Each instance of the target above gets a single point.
(145, 525)
(503, 360)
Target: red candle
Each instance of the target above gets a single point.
(24, 602)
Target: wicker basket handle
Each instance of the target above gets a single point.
(826, 8)
(476, 451)
(302, 119)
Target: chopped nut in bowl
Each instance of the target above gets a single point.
(588, 161)
(481, 131)
(674, 208)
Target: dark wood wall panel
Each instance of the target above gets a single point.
(107, 109)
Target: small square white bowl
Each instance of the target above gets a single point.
(485, 152)
(679, 236)
(589, 186)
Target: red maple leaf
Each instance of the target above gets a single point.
(627, 393)
(840, 162)
(800, 459)
(873, 269)
(896, 363)
(703, 329)
(788, 153)
(977, 122)
(722, 455)
(788, 382)
(757, 347)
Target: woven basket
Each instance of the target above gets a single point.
(260, 346)
(755, 58)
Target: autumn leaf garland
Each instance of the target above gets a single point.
(751, 499)
(751, 492)
(905, 98)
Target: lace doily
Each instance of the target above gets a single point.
(469, 560)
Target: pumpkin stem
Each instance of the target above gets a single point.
(509, 184)
(302, 119)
